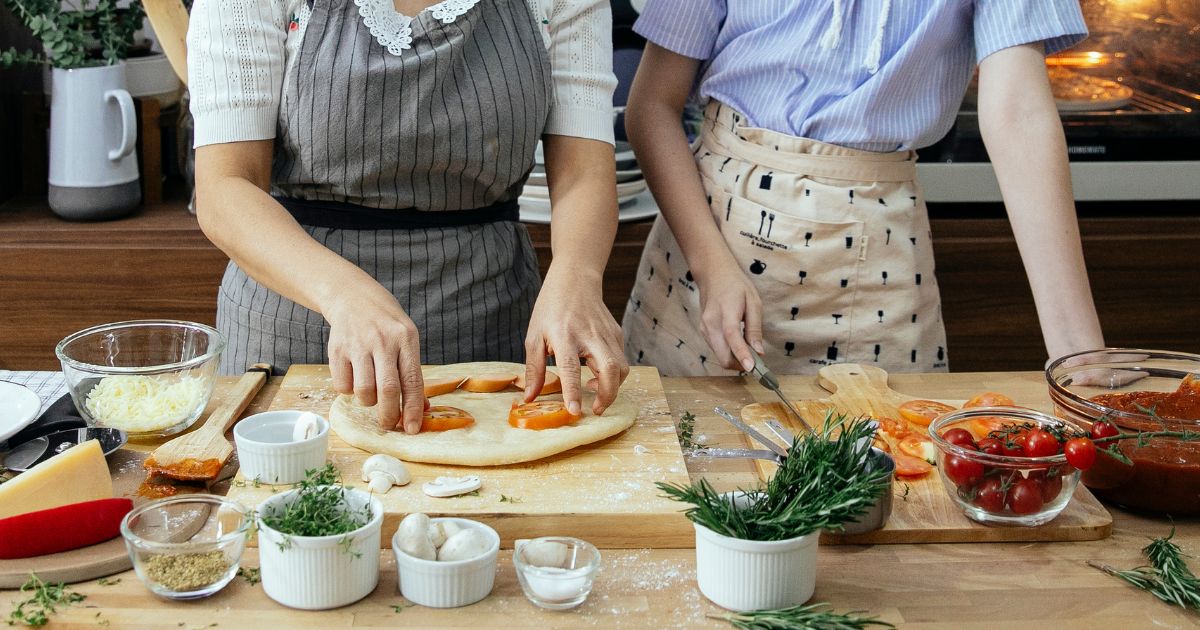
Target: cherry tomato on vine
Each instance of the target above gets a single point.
(1013, 445)
(1104, 429)
(1025, 497)
(991, 446)
(962, 471)
(1080, 452)
(991, 494)
(1040, 443)
(1049, 482)
(960, 437)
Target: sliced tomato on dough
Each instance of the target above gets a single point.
(443, 418)
(989, 399)
(551, 386)
(909, 466)
(445, 385)
(488, 383)
(923, 412)
(542, 414)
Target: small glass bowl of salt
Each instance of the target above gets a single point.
(556, 572)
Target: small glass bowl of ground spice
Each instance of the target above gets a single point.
(186, 547)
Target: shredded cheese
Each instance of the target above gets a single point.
(145, 403)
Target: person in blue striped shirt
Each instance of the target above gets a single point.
(795, 227)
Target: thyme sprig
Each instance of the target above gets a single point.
(810, 617)
(823, 483)
(1167, 577)
(319, 509)
(43, 600)
(687, 429)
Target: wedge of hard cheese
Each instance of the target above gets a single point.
(75, 475)
(62, 528)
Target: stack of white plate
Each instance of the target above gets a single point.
(633, 198)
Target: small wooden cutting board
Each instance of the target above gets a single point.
(922, 511)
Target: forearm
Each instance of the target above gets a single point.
(1025, 142)
(245, 222)
(583, 223)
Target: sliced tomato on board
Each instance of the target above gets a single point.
(989, 399)
(551, 386)
(909, 466)
(982, 426)
(923, 412)
(443, 418)
(895, 429)
(918, 446)
(444, 385)
(488, 383)
(542, 414)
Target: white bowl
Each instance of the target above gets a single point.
(320, 572)
(267, 452)
(448, 584)
(745, 575)
(152, 75)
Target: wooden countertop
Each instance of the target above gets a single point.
(918, 586)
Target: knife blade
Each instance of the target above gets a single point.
(781, 432)
(737, 453)
(748, 430)
(767, 379)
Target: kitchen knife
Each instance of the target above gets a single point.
(767, 379)
(748, 430)
(736, 453)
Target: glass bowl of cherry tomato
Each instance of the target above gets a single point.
(1010, 465)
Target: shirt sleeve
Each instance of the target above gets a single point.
(581, 56)
(685, 27)
(235, 68)
(1001, 24)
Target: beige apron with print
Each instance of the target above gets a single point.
(836, 241)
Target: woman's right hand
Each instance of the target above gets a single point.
(731, 315)
(375, 354)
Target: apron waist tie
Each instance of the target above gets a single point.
(348, 216)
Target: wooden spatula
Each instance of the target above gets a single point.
(199, 455)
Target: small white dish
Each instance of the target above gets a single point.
(320, 572)
(19, 407)
(439, 584)
(556, 573)
(267, 451)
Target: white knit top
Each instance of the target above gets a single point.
(240, 53)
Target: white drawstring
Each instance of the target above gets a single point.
(833, 34)
(875, 49)
(832, 37)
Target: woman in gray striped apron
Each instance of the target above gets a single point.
(361, 168)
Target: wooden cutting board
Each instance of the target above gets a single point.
(922, 511)
(603, 493)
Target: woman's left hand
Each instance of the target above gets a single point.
(571, 323)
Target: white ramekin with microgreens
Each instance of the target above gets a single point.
(319, 543)
(756, 549)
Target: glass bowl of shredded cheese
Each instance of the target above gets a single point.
(149, 378)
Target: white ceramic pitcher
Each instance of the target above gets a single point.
(93, 133)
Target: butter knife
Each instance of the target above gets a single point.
(749, 430)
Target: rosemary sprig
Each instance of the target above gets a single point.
(319, 509)
(821, 484)
(810, 617)
(43, 600)
(1167, 577)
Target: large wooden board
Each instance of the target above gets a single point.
(603, 493)
(922, 511)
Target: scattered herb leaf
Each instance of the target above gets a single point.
(810, 617)
(108, 582)
(508, 499)
(399, 608)
(251, 575)
(43, 600)
(904, 495)
(473, 493)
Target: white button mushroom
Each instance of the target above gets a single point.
(467, 543)
(413, 537)
(384, 471)
(307, 426)
(441, 530)
(451, 486)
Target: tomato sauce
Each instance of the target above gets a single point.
(1181, 404)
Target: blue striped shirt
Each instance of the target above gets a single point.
(768, 59)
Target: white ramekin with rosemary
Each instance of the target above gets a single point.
(319, 544)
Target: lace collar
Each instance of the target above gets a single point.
(393, 30)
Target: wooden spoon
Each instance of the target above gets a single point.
(169, 19)
(199, 455)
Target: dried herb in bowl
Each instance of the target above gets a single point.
(320, 508)
(820, 485)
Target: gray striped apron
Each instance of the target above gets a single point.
(408, 166)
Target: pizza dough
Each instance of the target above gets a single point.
(488, 442)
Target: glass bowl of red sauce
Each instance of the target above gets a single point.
(1137, 391)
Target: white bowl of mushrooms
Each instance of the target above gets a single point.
(445, 562)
